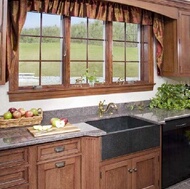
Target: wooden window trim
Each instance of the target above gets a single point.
(65, 90)
(24, 95)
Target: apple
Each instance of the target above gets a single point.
(12, 110)
(7, 115)
(54, 120)
(28, 113)
(35, 111)
(59, 123)
(22, 111)
(17, 114)
(65, 120)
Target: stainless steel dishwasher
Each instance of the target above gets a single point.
(175, 151)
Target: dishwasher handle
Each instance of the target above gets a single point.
(181, 125)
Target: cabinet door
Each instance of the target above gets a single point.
(60, 174)
(184, 43)
(116, 176)
(146, 171)
(3, 18)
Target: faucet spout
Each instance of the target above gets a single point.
(109, 108)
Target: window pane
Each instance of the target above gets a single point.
(28, 73)
(95, 50)
(132, 71)
(29, 48)
(51, 73)
(118, 31)
(118, 71)
(51, 25)
(78, 27)
(77, 70)
(132, 53)
(132, 32)
(118, 51)
(95, 29)
(32, 24)
(97, 69)
(51, 49)
(78, 49)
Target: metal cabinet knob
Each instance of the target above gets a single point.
(135, 169)
(130, 170)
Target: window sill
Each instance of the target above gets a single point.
(46, 93)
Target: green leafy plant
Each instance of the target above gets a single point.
(91, 77)
(171, 97)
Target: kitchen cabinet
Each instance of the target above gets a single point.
(14, 169)
(137, 171)
(184, 43)
(3, 21)
(176, 46)
(63, 174)
(59, 165)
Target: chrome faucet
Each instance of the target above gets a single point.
(109, 108)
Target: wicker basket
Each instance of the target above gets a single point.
(23, 121)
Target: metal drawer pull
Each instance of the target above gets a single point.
(60, 164)
(59, 149)
(130, 170)
(135, 169)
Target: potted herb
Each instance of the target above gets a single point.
(91, 77)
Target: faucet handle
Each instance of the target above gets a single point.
(101, 103)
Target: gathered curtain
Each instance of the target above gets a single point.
(94, 9)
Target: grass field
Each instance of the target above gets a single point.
(51, 51)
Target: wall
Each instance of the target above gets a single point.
(72, 102)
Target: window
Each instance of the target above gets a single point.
(61, 53)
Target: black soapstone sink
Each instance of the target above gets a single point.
(126, 135)
(118, 123)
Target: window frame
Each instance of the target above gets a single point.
(17, 93)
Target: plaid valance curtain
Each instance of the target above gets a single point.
(94, 9)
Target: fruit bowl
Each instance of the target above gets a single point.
(23, 121)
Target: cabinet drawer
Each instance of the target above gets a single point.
(14, 177)
(58, 149)
(13, 157)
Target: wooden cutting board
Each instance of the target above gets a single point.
(68, 128)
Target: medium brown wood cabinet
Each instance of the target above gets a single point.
(3, 23)
(59, 165)
(14, 169)
(138, 171)
(60, 174)
(184, 43)
(176, 46)
(76, 164)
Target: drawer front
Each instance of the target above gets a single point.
(59, 149)
(14, 177)
(13, 157)
(176, 124)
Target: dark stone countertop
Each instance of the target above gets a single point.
(20, 137)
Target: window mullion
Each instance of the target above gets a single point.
(40, 51)
(125, 52)
(108, 51)
(87, 45)
(66, 51)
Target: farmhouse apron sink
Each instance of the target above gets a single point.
(126, 135)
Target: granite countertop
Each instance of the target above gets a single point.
(19, 137)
